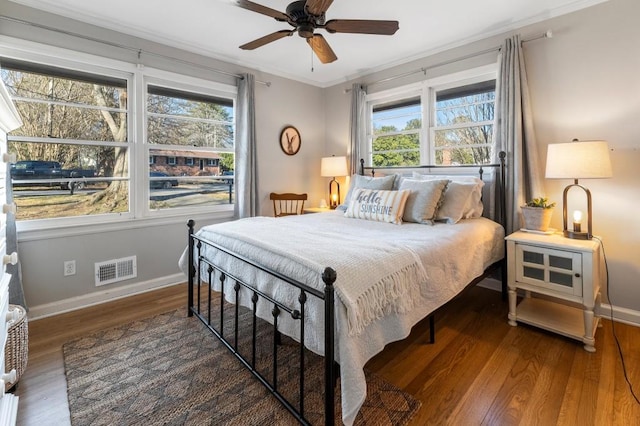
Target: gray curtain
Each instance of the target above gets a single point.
(246, 172)
(515, 134)
(358, 126)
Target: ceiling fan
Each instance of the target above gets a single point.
(305, 17)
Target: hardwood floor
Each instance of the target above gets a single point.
(480, 371)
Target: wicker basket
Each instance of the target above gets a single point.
(16, 350)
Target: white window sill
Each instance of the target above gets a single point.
(26, 233)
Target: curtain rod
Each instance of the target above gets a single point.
(125, 47)
(546, 34)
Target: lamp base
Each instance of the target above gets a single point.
(577, 235)
(334, 197)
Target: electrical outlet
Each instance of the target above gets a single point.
(69, 267)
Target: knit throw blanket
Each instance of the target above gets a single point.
(372, 280)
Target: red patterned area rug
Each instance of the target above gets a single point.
(170, 370)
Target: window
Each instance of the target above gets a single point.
(184, 126)
(463, 124)
(397, 127)
(73, 148)
(81, 142)
(445, 121)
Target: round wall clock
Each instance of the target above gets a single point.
(290, 140)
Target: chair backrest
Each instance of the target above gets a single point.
(287, 204)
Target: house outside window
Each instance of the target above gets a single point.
(189, 161)
(172, 161)
(443, 121)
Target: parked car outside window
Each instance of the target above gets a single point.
(162, 183)
(228, 181)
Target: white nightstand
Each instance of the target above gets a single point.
(559, 268)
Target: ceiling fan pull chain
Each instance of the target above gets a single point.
(311, 60)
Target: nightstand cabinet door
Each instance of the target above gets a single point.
(556, 270)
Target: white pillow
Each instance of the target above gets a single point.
(367, 182)
(378, 205)
(456, 202)
(474, 207)
(424, 200)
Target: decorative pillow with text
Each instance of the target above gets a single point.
(367, 182)
(378, 205)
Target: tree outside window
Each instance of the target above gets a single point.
(461, 132)
(78, 122)
(463, 129)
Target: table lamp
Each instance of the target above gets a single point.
(332, 167)
(578, 160)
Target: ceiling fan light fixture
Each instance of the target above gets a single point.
(305, 31)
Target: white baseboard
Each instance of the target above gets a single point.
(623, 315)
(98, 297)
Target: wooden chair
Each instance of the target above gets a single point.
(287, 204)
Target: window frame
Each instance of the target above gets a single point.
(426, 91)
(177, 82)
(139, 214)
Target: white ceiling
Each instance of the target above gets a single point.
(217, 27)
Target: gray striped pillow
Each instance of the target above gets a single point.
(378, 205)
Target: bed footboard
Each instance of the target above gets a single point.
(203, 310)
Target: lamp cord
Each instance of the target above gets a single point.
(613, 328)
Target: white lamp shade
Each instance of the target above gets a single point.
(333, 166)
(578, 160)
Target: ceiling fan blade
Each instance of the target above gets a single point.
(361, 26)
(266, 39)
(255, 7)
(317, 7)
(322, 49)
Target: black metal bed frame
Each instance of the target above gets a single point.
(197, 263)
(194, 308)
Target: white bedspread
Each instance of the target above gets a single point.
(412, 268)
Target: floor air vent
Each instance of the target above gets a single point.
(116, 270)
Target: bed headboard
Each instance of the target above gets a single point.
(493, 194)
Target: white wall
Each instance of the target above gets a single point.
(585, 83)
(289, 102)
